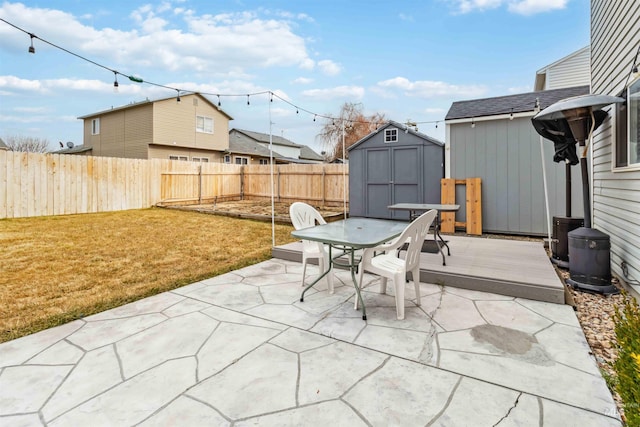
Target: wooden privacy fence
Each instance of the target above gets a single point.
(34, 184)
(319, 184)
(473, 205)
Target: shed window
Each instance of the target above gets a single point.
(204, 124)
(95, 126)
(628, 127)
(390, 135)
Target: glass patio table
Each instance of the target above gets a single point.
(346, 237)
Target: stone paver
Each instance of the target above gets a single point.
(241, 349)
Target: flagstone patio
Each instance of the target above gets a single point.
(241, 349)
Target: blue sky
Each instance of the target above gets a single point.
(406, 59)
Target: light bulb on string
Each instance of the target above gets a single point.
(219, 103)
(473, 124)
(436, 125)
(297, 111)
(178, 98)
(31, 48)
(115, 82)
(248, 103)
(314, 117)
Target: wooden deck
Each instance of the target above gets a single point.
(507, 267)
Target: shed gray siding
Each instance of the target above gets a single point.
(406, 171)
(505, 154)
(615, 37)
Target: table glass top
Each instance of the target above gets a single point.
(424, 207)
(353, 232)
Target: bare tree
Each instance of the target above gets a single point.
(355, 125)
(27, 143)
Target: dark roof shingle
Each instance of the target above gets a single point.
(519, 103)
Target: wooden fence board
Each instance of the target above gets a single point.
(33, 184)
(473, 204)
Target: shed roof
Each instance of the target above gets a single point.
(520, 103)
(399, 126)
(151, 101)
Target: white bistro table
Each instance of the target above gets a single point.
(346, 237)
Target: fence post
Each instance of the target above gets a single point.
(324, 179)
(242, 182)
(278, 182)
(200, 184)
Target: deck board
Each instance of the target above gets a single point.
(507, 267)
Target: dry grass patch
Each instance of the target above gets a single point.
(56, 269)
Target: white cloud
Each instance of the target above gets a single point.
(207, 43)
(405, 17)
(531, 7)
(339, 92)
(522, 7)
(329, 67)
(430, 89)
(302, 81)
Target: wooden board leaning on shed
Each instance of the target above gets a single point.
(473, 224)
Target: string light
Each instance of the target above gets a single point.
(136, 79)
(511, 115)
(473, 123)
(31, 48)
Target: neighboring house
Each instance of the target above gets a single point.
(394, 164)
(3, 146)
(572, 70)
(248, 147)
(493, 139)
(615, 166)
(191, 128)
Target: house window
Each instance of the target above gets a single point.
(390, 135)
(226, 159)
(95, 126)
(200, 159)
(242, 160)
(628, 127)
(183, 158)
(264, 161)
(204, 124)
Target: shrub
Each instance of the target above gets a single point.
(627, 366)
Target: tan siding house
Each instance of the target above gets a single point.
(191, 129)
(615, 58)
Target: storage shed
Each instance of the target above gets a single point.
(394, 164)
(493, 139)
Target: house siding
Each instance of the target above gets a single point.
(506, 155)
(163, 152)
(175, 124)
(574, 71)
(615, 37)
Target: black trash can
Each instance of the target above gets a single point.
(589, 261)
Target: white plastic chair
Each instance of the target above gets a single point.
(390, 266)
(305, 216)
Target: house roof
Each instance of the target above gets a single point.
(248, 142)
(151, 101)
(3, 146)
(264, 138)
(307, 153)
(74, 150)
(239, 143)
(399, 126)
(520, 103)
